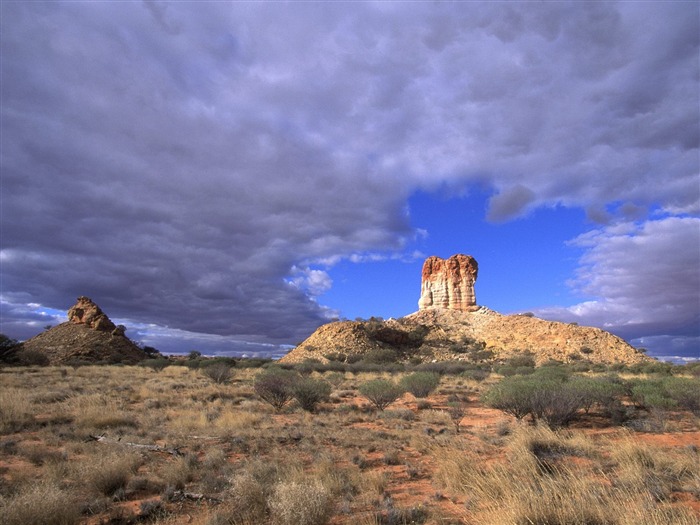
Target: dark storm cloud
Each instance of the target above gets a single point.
(184, 163)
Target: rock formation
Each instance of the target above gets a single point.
(449, 283)
(449, 326)
(88, 336)
(86, 312)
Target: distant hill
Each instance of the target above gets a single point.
(482, 335)
(88, 336)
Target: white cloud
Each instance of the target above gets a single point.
(643, 280)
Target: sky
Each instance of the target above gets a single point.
(228, 176)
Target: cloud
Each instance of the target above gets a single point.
(643, 279)
(510, 203)
(179, 163)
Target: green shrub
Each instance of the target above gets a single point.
(275, 385)
(476, 374)
(510, 371)
(310, 392)
(380, 392)
(685, 392)
(556, 403)
(381, 356)
(512, 396)
(552, 372)
(649, 394)
(155, 364)
(445, 367)
(602, 392)
(420, 384)
(526, 359)
(220, 373)
(551, 400)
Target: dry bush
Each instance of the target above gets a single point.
(40, 454)
(247, 503)
(340, 481)
(220, 373)
(659, 472)
(109, 473)
(301, 503)
(16, 412)
(40, 504)
(309, 392)
(274, 386)
(179, 471)
(374, 482)
(539, 484)
(95, 412)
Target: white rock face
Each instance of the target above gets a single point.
(449, 283)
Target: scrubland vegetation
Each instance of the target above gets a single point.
(215, 442)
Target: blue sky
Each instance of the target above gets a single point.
(228, 176)
(523, 264)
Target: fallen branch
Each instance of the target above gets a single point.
(180, 495)
(151, 448)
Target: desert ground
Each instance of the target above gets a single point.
(190, 445)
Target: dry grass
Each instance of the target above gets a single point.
(39, 504)
(16, 410)
(562, 478)
(343, 464)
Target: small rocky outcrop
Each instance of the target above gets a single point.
(87, 313)
(449, 283)
(88, 336)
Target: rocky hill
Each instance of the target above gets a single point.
(88, 336)
(450, 326)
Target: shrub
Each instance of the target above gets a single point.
(41, 504)
(512, 396)
(685, 392)
(556, 403)
(380, 392)
(220, 373)
(309, 392)
(248, 501)
(650, 394)
(476, 374)
(156, 364)
(456, 410)
(274, 386)
(553, 401)
(420, 384)
(29, 357)
(603, 392)
(295, 503)
(381, 356)
(15, 410)
(8, 349)
(525, 359)
(404, 516)
(108, 474)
